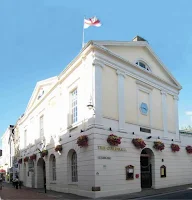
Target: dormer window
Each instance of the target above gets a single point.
(143, 65)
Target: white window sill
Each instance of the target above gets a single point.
(72, 183)
(74, 125)
(53, 182)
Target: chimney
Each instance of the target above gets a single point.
(138, 38)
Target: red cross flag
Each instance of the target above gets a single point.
(92, 22)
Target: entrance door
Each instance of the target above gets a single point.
(41, 173)
(146, 169)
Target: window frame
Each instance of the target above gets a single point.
(25, 138)
(74, 170)
(74, 108)
(146, 67)
(41, 127)
(53, 162)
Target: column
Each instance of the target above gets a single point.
(177, 136)
(121, 100)
(164, 111)
(97, 92)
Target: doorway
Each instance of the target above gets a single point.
(41, 173)
(146, 165)
(32, 172)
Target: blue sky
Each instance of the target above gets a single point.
(38, 38)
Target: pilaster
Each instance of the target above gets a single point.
(164, 111)
(97, 92)
(121, 100)
(177, 136)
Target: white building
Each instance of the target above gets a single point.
(132, 95)
(8, 151)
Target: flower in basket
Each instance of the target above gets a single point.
(158, 145)
(58, 148)
(33, 157)
(26, 159)
(189, 149)
(20, 161)
(82, 141)
(114, 140)
(139, 143)
(44, 153)
(175, 147)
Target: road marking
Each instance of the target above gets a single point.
(157, 195)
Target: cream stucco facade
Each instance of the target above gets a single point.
(106, 76)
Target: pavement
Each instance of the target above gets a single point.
(177, 192)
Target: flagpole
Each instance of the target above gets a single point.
(83, 34)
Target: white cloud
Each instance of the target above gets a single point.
(188, 113)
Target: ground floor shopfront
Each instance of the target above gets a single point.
(104, 170)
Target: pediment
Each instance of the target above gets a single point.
(41, 88)
(135, 51)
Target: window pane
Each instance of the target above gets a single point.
(74, 106)
(142, 65)
(74, 167)
(54, 169)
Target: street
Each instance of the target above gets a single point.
(8, 193)
(186, 194)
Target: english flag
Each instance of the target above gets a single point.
(92, 22)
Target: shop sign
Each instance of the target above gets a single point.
(104, 157)
(108, 148)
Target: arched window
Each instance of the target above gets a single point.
(53, 168)
(143, 65)
(74, 174)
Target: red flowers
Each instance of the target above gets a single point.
(44, 153)
(158, 145)
(58, 148)
(33, 157)
(114, 140)
(189, 149)
(175, 147)
(26, 159)
(20, 161)
(138, 142)
(82, 141)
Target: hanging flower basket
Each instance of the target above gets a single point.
(20, 161)
(114, 140)
(139, 143)
(33, 157)
(44, 153)
(189, 149)
(158, 145)
(58, 148)
(26, 159)
(82, 141)
(175, 147)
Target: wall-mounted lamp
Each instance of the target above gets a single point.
(158, 137)
(90, 106)
(133, 133)
(149, 137)
(110, 128)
